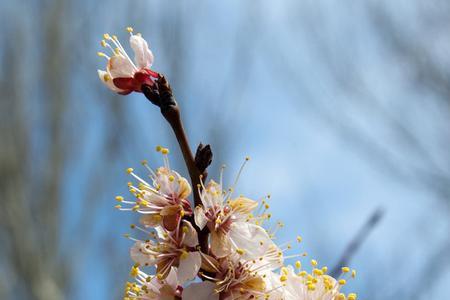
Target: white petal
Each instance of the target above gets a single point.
(200, 291)
(251, 238)
(172, 278)
(161, 232)
(142, 54)
(120, 66)
(138, 255)
(189, 266)
(191, 236)
(220, 245)
(200, 217)
(273, 284)
(106, 78)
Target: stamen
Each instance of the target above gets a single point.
(101, 54)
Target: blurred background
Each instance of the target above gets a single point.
(344, 107)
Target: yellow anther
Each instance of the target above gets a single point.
(353, 273)
(134, 271)
(103, 43)
(342, 281)
(144, 162)
(132, 226)
(130, 29)
(318, 272)
(324, 270)
(247, 158)
(267, 206)
(106, 77)
(298, 264)
(284, 271)
(302, 273)
(165, 151)
(130, 170)
(158, 148)
(171, 178)
(119, 198)
(118, 206)
(341, 296)
(240, 251)
(106, 36)
(159, 276)
(311, 287)
(185, 229)
(184, 254)
(117, 51)
(101, 54)
(345, 269)
(283, 278)
(314, 262)
(182, 213)
(351, 296)
(299, 239)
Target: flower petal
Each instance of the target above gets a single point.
(120, 66)
(200, 217)
(191, 236)
(253, 239)
(106, 78)
(172, 279)
(142, 54)
(138, 255)
(242, 205)
(189, 266)
(220, 245)
(200, 291)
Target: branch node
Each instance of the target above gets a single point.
(203, 157)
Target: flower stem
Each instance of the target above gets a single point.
(161, 95)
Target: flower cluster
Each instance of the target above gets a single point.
(241, 262)
(220, 248)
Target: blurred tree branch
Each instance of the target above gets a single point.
(357, 241)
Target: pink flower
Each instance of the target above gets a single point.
(122, 74)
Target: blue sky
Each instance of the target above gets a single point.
(252, 80)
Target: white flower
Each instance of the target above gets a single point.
(170, 248)
(229, 224)
(163, 202)
(123, 75)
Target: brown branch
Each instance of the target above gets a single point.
(161, 95)
(357, 241)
